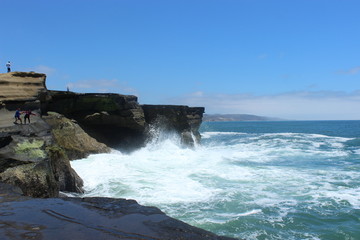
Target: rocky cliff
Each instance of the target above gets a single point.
(120, 121)
(114, 119)
(70, 125)
(35, 158)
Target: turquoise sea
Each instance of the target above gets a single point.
(251, 180)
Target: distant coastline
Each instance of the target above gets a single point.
(236, 117)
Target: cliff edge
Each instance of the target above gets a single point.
(21, 86)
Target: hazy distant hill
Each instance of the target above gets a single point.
(236, 117)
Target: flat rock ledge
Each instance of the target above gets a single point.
(88, 218)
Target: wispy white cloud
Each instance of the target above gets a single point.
(262, 56)
(300, 105)
(43, 69)
(101, 86)
(351, 71)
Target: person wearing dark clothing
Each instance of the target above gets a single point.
(27, 116)
(8, 66)
(17, 116)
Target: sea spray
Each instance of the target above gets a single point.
(253, 185)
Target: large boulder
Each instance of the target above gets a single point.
(66, 178)
(72, 138)
(37, 166)
(19, 150)
(35, 157)
(34, 179)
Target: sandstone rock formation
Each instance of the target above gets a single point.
(21, 86)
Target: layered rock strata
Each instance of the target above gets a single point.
(22, 89)
(21, 86)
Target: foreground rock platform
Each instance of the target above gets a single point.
(88, 218)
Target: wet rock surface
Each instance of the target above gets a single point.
(87, 218)
(183, 120)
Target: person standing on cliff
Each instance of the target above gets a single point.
(8, 66)
(27, 116)
(17, 116)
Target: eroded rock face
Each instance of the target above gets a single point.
(65, 176)
(35, 157)
(72, 138)
(184, 120)
(22, 86)
(34, 179)
(23, 144)
(114, 119)
(120, 122)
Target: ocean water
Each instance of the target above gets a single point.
(252, 180)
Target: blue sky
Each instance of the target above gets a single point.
(293, 59)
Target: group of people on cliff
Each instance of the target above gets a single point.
(27, 115)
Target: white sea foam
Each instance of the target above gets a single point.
(212, 134)
(268, 174)
(356, 151)
(237, 215)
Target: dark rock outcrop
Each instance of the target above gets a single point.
(88, 218)
(114, 119)
(120, 122)
(184, 120)
(34, 179)
(65, 176)
(35, 157)
(24, 161)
